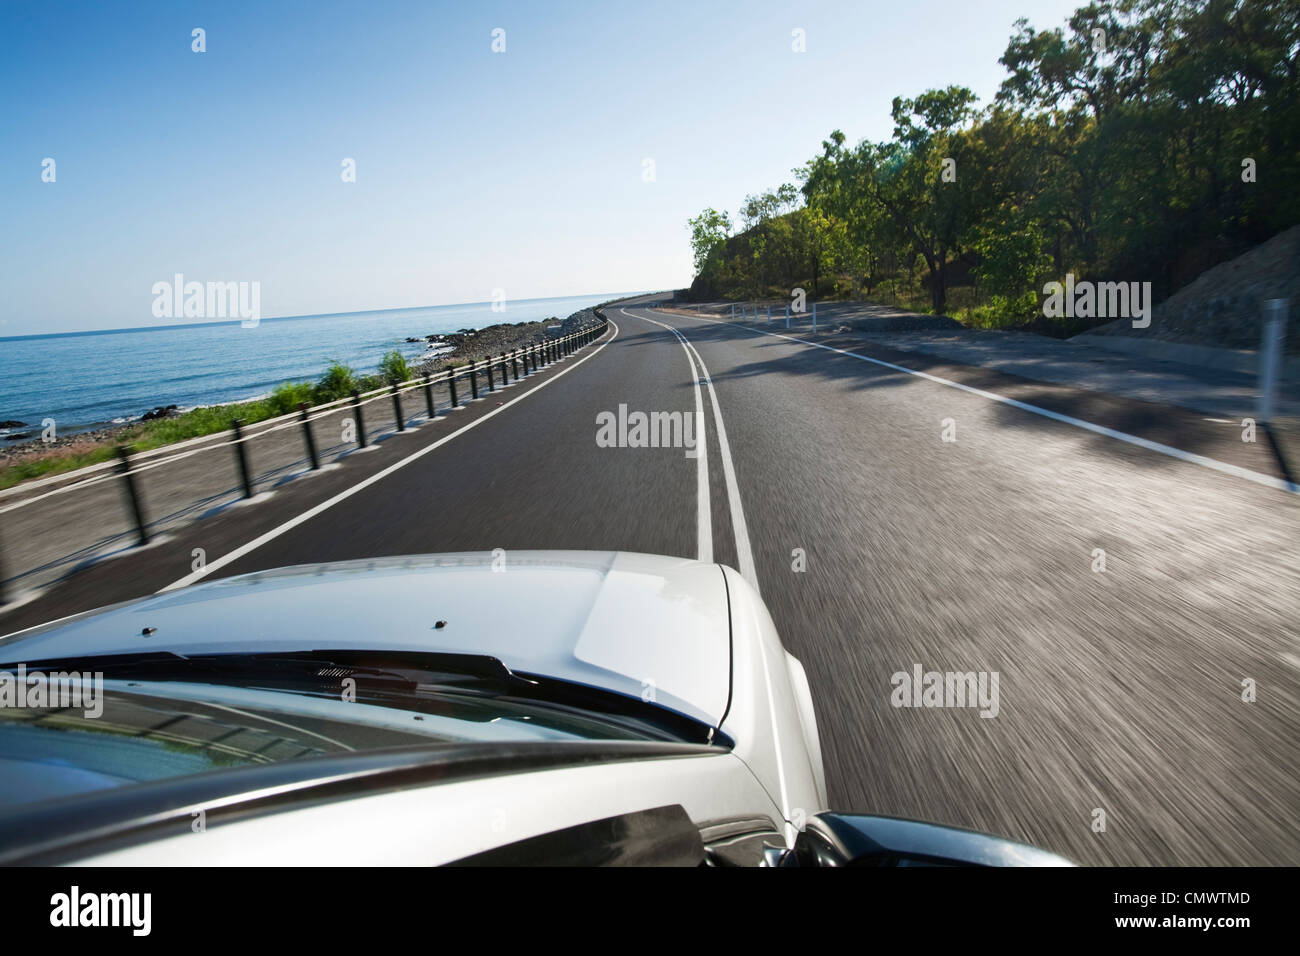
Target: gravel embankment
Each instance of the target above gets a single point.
(1224, 307)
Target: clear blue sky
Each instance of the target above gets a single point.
(475, 170)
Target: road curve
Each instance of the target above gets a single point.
(879, 546)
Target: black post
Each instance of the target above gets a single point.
(361, 422)
(241, 456)
(473, 380)
(397, 410)
(514, 358)
(491, 384)
(304, 414)
(505, 370)
(132, 493)
(451, 384)
(428, 398)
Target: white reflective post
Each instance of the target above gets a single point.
(1270, 356)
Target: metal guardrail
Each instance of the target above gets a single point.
(484, 376)
(782, 318)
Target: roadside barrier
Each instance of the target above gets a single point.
(792, 318)
(130, 465)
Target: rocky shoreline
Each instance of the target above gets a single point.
(472, 345)
(469, 345)
(70, 444)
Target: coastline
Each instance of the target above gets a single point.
(34, 458)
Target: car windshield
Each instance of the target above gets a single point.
(137, 731)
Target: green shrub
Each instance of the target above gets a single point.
(287, 397)
(393, 370)
(337, 382)
(1004, 310)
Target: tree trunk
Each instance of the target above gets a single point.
(939, 286)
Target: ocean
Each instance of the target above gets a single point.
(83, 380)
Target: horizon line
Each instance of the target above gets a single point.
(291, 318)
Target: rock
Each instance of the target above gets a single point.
(162, 411)
(12, 424)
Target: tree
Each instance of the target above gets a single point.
(1145, 140)
(709, 230)
(908, 179)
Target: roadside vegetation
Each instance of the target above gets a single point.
(337, 382)
(1148, 140)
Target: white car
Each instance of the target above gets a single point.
(505, 708)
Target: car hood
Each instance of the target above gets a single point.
(651, 627)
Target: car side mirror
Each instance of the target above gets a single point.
(847, 839)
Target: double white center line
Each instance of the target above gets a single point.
(705, 514)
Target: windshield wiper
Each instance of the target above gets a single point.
(323, 670)
(392, 677)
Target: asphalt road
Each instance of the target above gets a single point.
(1119, 691)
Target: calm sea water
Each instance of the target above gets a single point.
(86, 379)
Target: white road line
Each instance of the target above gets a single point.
(1213, 464)
(704, 511)
(744, 553)
(703, 508)
(741, 528)
(310, 513)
